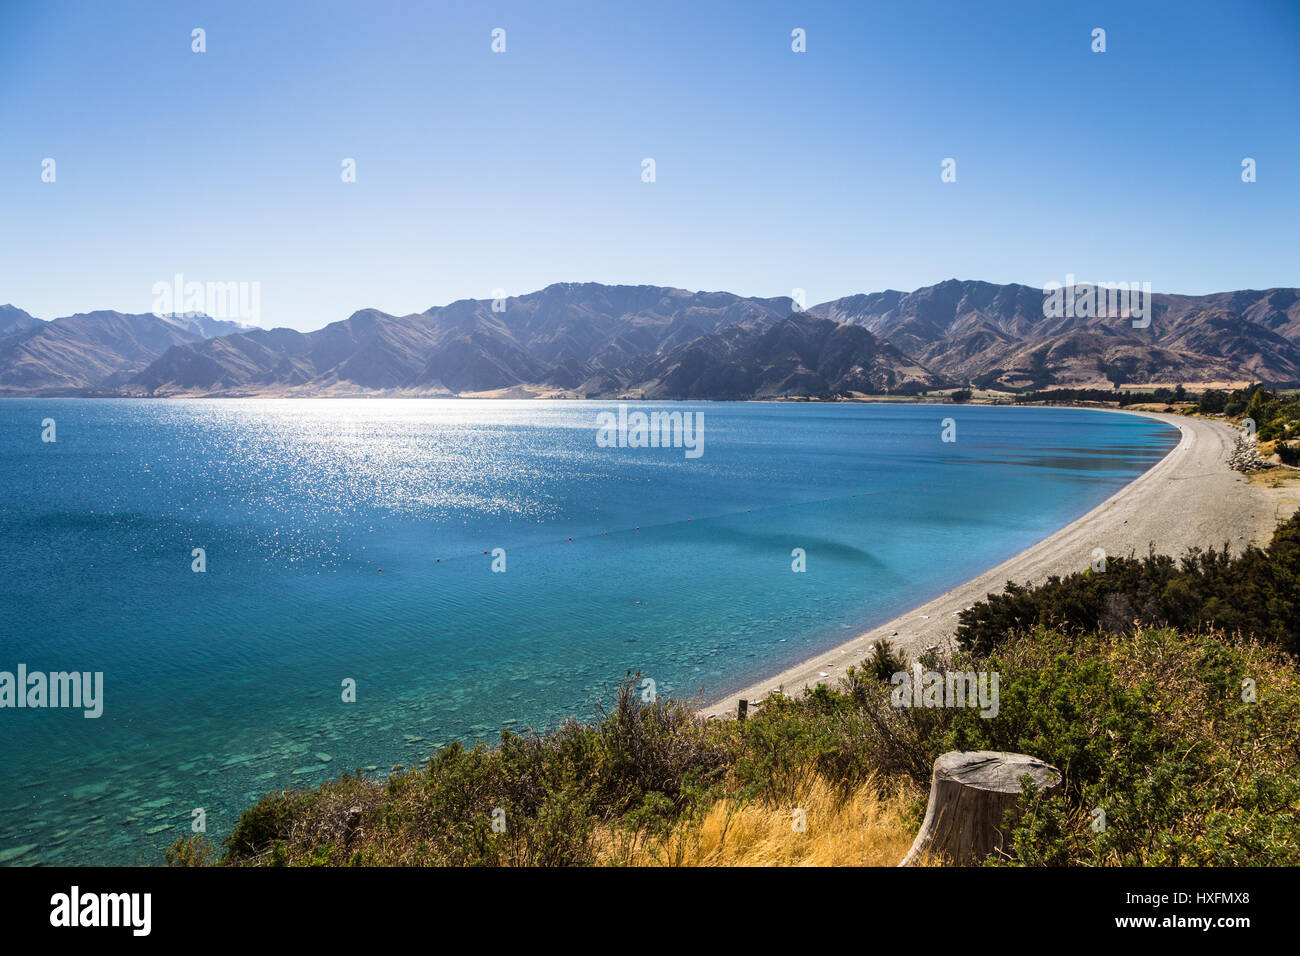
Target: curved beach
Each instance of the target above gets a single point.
(1190, 498)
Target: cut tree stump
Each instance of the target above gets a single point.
(970, 791)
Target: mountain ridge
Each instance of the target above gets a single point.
(96, 351)
(577, 339)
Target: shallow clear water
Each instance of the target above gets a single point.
(222, 685)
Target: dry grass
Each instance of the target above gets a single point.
(1277, 476)
(869, 827)
(1157, 406)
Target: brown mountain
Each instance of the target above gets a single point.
(588, 338)
(14, 320)
(798, 355)
(91, 351)
(998, 335)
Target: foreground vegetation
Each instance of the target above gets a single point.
(1167, 693)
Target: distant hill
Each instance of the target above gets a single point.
(797, 355)
(998, 335)
(14, 320)
(593, 340)
(580, 338)
(92, 351)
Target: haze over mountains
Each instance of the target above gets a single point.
(593, 340)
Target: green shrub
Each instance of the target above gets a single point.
(1256, 593)
(267, 821)
(191, 851)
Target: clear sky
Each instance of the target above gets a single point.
(775, 170)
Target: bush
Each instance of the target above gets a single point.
(641, 767)
(1152, 731)
(884, 662)
(194, 851)
(1256, 593)
(267, 821)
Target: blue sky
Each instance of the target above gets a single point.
(775, 170)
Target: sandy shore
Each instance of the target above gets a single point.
(1190, 498)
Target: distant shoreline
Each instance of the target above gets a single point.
(1190, 498)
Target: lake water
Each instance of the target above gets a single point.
(221, 685)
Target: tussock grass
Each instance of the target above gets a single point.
(870, 826)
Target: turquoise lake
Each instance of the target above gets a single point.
(221, 685)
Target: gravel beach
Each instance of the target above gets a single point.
(1190, 498)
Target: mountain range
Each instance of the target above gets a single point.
(593, 340)
(92, 351)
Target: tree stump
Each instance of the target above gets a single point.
(970, 791)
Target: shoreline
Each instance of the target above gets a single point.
(1190, 498)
